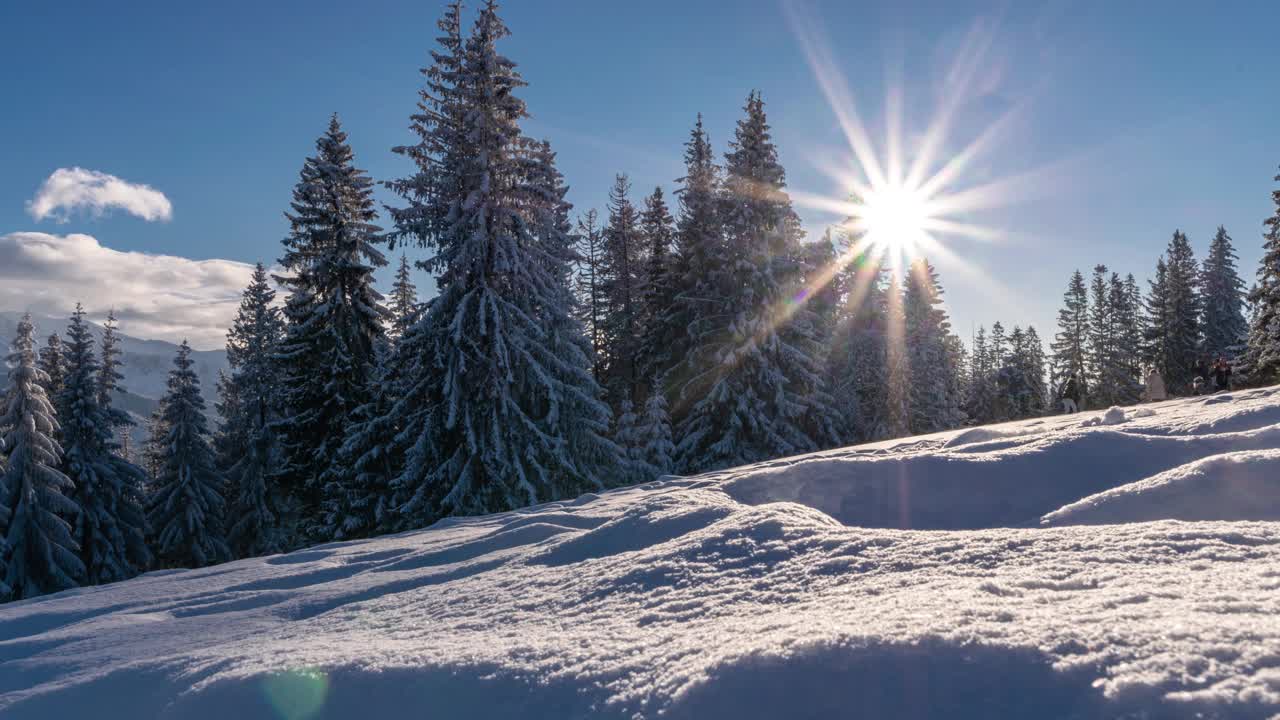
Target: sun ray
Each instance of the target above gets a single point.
(989, 285)
(845, 176)
(958, 162)
(977, 43)
(832, 82)
(814, 201)
(893, 134)
(968, 230)
(902, 204)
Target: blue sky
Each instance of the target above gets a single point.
(1122, 121)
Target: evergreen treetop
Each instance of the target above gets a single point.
(502, 408)
(1224, 327)
(187, 508)
(1263, 355)
(110, 526)
(335, 316)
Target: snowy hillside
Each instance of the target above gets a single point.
(788, 589)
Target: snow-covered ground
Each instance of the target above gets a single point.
(1101, 565)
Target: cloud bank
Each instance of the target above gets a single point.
(161, 297)
(70, 189)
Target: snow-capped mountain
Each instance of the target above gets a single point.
(145, 369)
(1101, 565)
(146, 362)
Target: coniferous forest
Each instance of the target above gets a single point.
(566, 350)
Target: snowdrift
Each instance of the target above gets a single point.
(1234, 486)
(909, 579)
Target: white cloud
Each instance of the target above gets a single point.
(161, 297)
(71, 189)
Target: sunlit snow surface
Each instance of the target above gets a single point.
(786, 589)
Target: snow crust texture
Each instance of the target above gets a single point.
(1041, 569)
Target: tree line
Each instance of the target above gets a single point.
(1110, 335)
(556, 357)
(559, 355)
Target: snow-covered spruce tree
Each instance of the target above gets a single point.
(431, 193)
(550, 209)
(698, 277)
(1034, 362)
(109, 375)
(856, 359)
(1222, 320)
(186, 508)
(980, 400)
(1183, 297)
(1010, 381)
(502, 405)
(1137, 328)
(546, 203)
(759, 382)
(359, 500)
(440, 125)
(110, 527)
(1070, 344)
(153, 450)
(1020, 380)
(897, 372)
(1100, 350)
(109, 387)
(334, 321)
(1014, 387)
(627, 434)
(655, 434)
(999, 345)
(1122, 372)
(1262, 356)
(53, 363)
(403, 301)
(958, 362)
(818, 260)
(231, 439)
(248, 450)
(1156, 345)
(932, 400)
(811, 324)
(621, 281)
(1002, 385)
(590, 298)
(133, 476)
(658, 291)
(38, 553)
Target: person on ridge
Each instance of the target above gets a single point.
(1204, 369)
(1155, 391)
(1071, 395)
(1222, 375)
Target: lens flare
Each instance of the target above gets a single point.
(296, 694)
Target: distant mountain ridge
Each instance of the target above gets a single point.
(146, 364)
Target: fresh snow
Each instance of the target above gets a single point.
(906, 579)
(1231, 486)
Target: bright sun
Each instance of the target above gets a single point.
(894, 218)
(906, 200)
